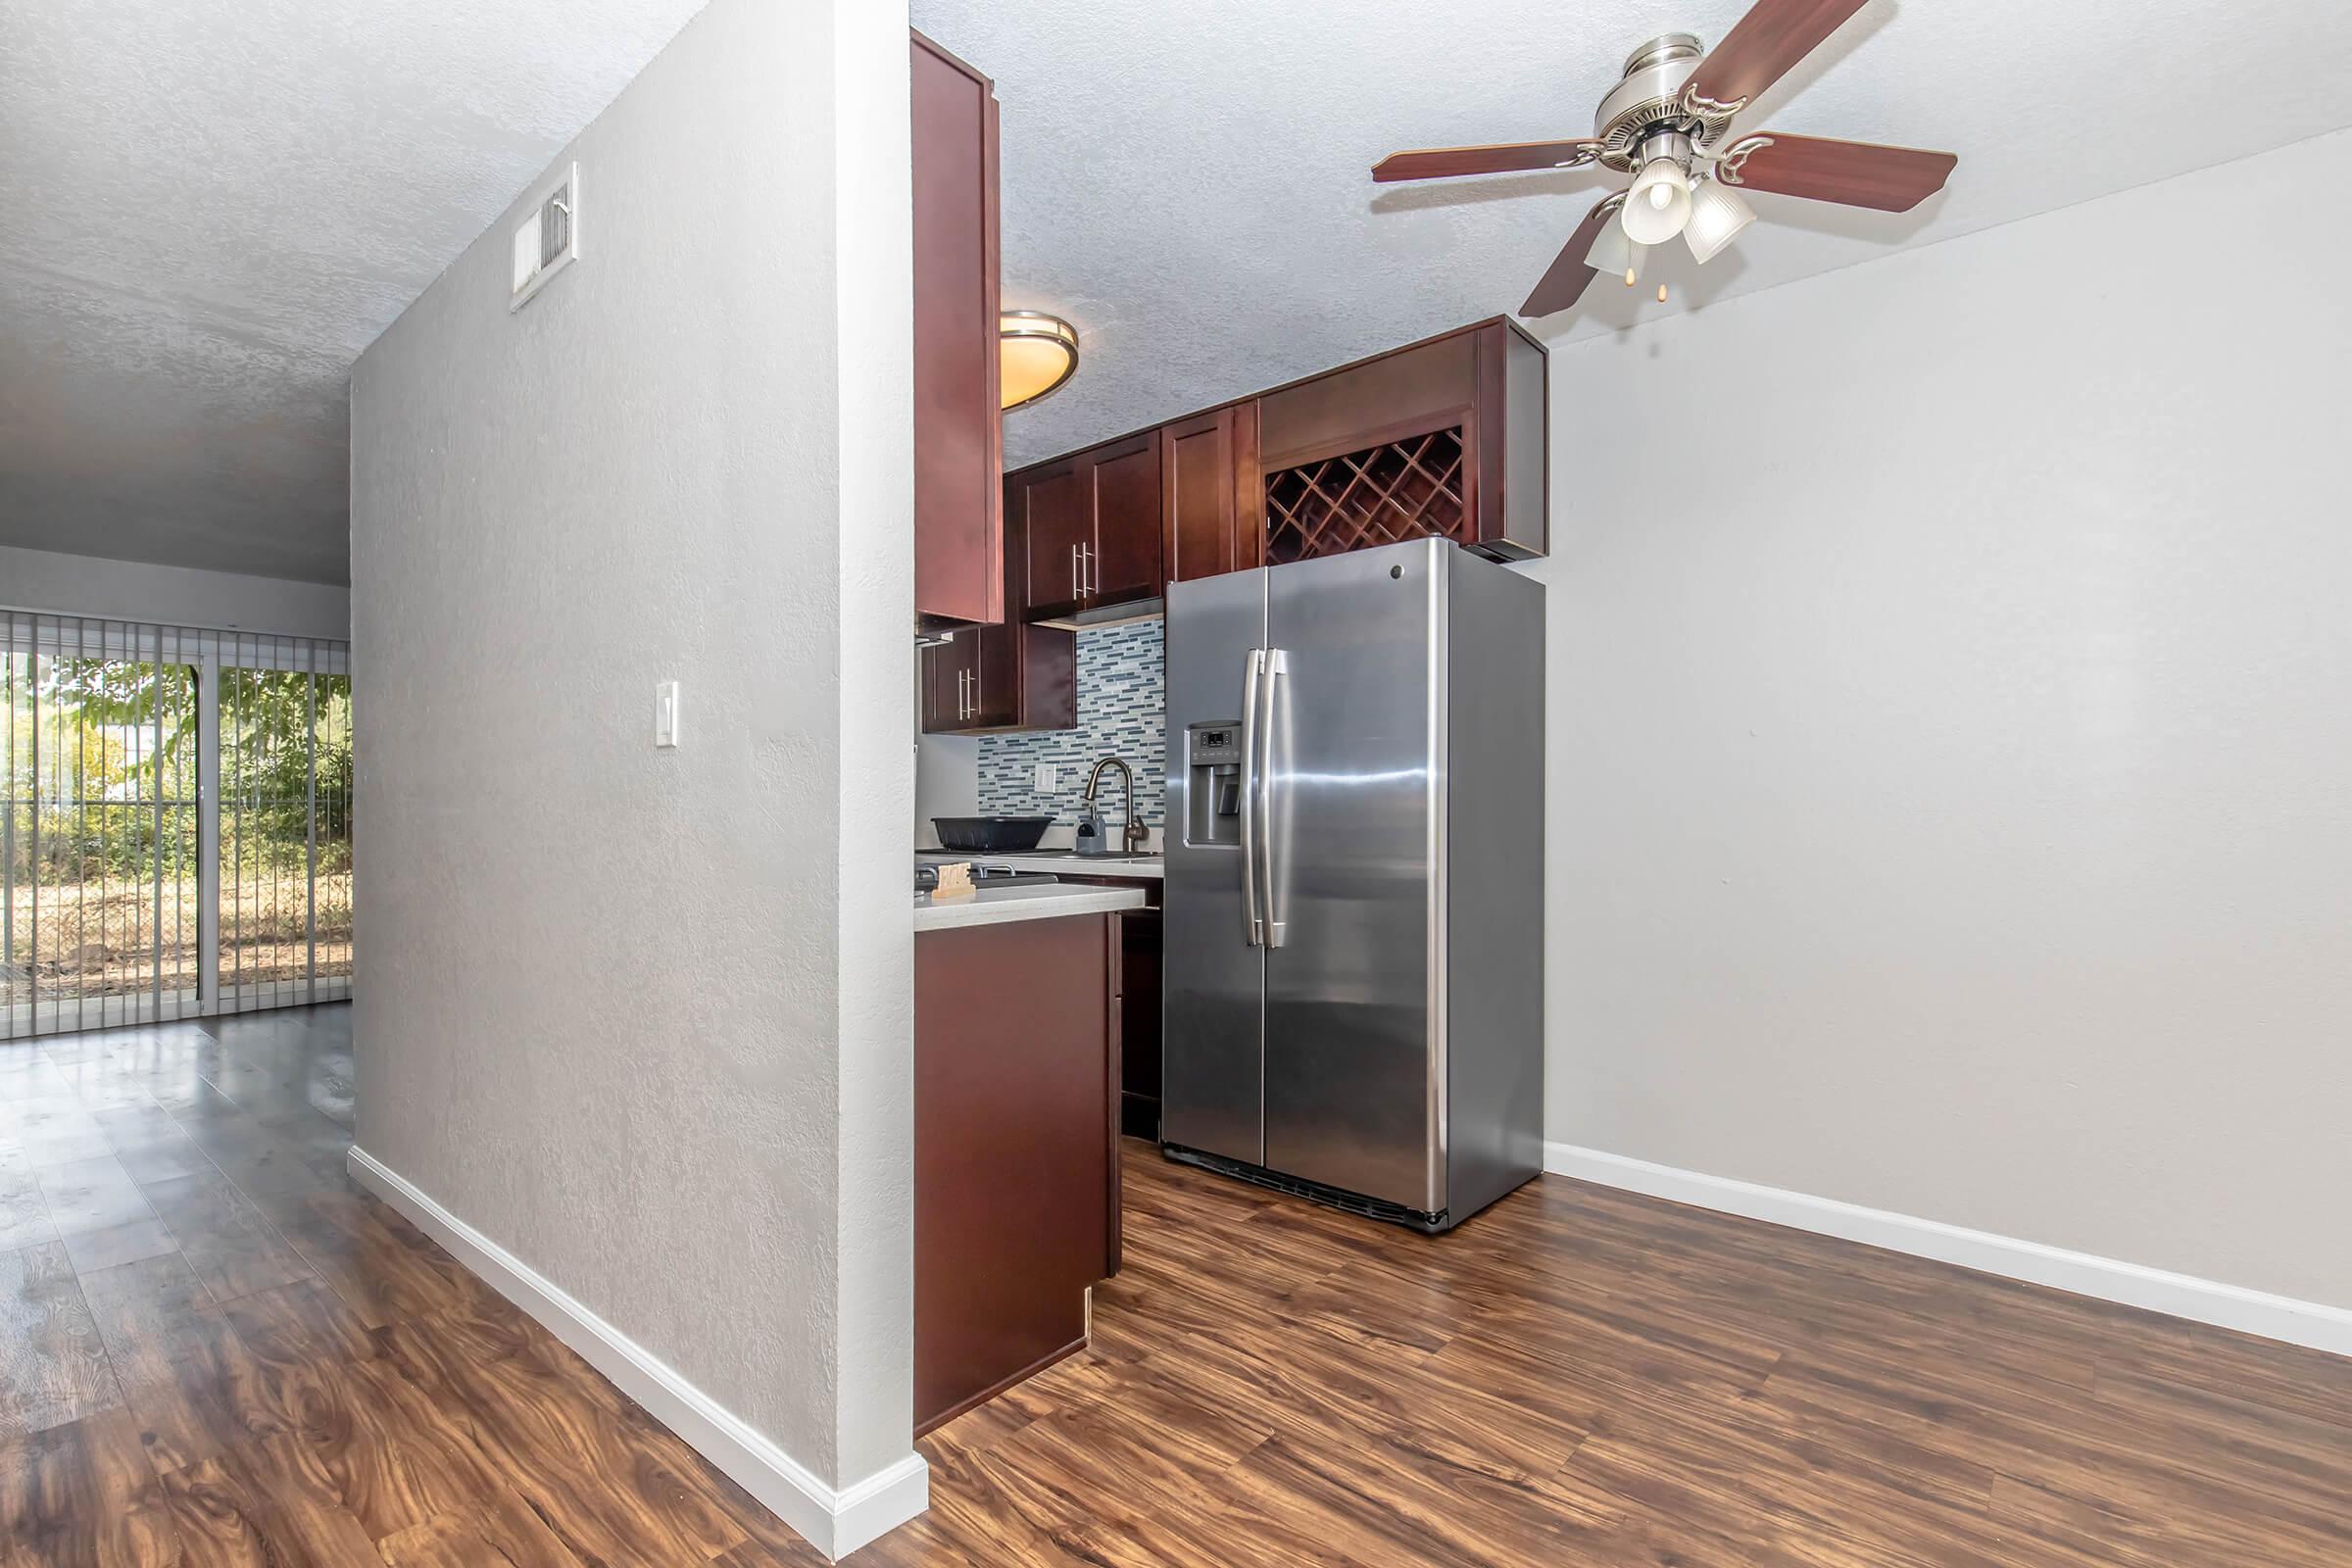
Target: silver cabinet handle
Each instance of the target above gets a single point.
(1253, 926)
(1077, 581)
(1278, 665)
(1085, 558)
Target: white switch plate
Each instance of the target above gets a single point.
(665, 713)
(1048, 777)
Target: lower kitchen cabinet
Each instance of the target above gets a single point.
(1001, 677)
(1017, 1054)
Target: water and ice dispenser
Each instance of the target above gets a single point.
(1212, 755)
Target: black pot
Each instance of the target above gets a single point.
(997, 835)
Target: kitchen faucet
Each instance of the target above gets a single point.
(1134, 835)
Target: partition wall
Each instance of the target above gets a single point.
(175, 822)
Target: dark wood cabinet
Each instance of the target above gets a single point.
(1087, 527)
(1016, 1063)
(959, 428)
(1052, 521)
(1212, 509)
(1124, 563)
(1446, 437)
(950, 676)
(1005, 678)
(1012, 675)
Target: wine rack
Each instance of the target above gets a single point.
(1408, 488)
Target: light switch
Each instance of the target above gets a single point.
(665, 713)
(1049, 778)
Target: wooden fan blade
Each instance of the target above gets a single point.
(1565, 282)
(1763, 45)
(1442, 163)
(1820, 169)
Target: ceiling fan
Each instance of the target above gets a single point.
(1668, 124)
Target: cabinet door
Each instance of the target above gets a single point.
(951, 683)
(1358, 406)
(1212, 504)
(1056, 519)
(958, 429)
(997, 696)
(1123, 563)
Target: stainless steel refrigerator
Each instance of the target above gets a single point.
(1353, 972)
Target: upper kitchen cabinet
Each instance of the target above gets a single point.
(986, 680)
(1088, 531)
(1213, 515)
(959, 428)
(1008, 676)
(1442, 437)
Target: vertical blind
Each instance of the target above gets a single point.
(175, 809)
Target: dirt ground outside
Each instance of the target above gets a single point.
(100, 939)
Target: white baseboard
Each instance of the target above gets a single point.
(2182, 1295)
(835, 1522)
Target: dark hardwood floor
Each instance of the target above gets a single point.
(215, 1348)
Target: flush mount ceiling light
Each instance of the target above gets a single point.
(1668, 124)
(1036, 353)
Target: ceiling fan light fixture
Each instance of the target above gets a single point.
(1659, 204)
(1717, 215)
(1035, 354)
(1614, 251)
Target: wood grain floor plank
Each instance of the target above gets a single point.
(1578, 1378)
(24, 1212)
(248, 1508)
(83, 1494)
(183, 1372)
(561, 1451)
(53, 1367)
(382, 1267)
(226, 1239)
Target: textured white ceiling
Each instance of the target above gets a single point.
(1187, 183)
(209, 206)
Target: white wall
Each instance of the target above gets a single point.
(644, 1017)
(133, 590)
(1949, 732)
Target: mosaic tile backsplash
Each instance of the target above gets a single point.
(1122, 711)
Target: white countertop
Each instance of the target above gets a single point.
(1141, 867)
(1034, 900)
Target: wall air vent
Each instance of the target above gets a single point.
(548, 239)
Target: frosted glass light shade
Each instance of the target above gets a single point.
(1613, 249)
(1659, 204)
(1035, 353)
(1717, 215)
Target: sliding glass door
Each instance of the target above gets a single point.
(284, 884)
(174, 823)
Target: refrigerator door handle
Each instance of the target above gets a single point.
(1252, 680)
(1277, 666)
